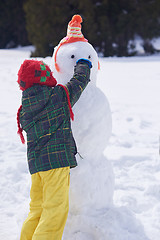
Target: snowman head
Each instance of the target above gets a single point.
(71, 48)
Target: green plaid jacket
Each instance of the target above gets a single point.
(45, 117)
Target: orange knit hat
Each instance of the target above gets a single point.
(74, 34)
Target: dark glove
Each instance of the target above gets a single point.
(81, 60)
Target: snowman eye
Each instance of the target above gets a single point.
(72, 56)
(89, 57)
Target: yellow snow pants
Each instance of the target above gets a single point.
(49, 205)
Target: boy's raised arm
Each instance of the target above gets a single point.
(79, 80)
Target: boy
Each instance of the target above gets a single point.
(45, 116)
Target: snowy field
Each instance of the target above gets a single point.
(132, 87)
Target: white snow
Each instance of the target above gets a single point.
(132, 87)
(136, 45)
(156, 43)
(91, 129)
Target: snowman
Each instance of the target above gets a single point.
(92, 182)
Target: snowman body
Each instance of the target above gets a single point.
(92, 182)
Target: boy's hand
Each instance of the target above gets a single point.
(81, 60)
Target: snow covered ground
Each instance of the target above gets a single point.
(132, 88)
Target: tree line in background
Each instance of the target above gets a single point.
(109, 25)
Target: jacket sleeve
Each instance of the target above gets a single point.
(78, 82)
